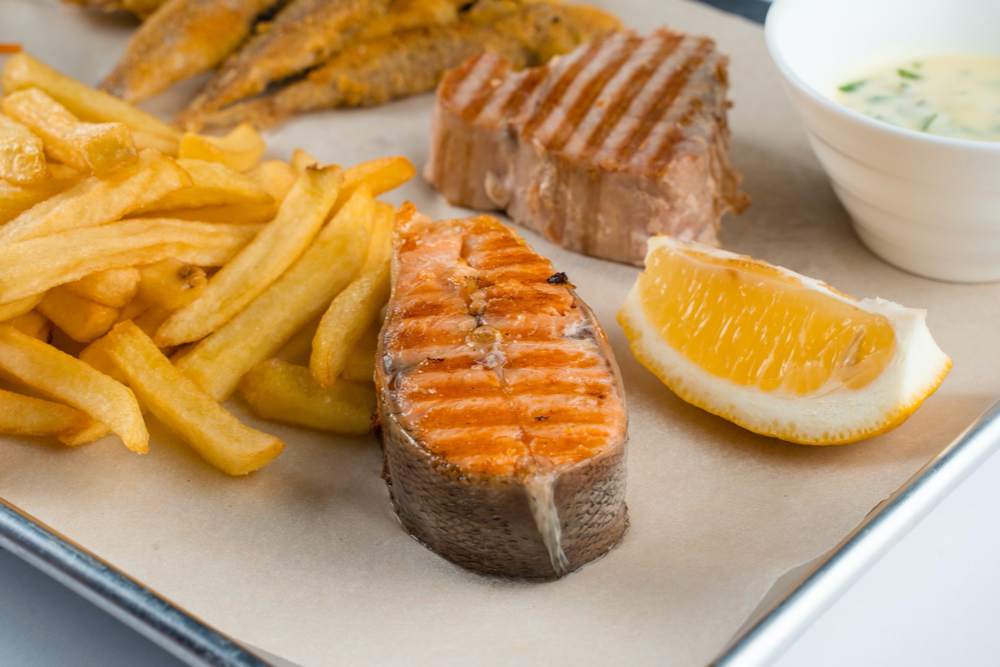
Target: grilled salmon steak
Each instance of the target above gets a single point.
(621, 139)
(501, 408)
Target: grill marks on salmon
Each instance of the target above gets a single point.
(481, 339)
(493, 383)
(621, 139)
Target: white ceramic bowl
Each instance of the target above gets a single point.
(927, 204)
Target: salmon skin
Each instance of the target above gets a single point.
(501, 407)
(623, 138)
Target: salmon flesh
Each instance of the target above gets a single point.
(501, 407)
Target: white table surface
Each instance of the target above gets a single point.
(934, 599)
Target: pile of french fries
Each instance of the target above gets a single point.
(148, 271)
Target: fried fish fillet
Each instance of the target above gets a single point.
(407, 15)
(183, 38)
(303, 34)
(414, 61)
(141, 8)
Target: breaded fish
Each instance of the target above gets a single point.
(414, 61)
(407, 15)
(183, 38)
(502, 412)
(303, 34)
(141, 8)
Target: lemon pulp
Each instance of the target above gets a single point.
(750, 323)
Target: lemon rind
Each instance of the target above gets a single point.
(832, 415)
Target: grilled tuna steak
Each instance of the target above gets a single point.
(623, 138)
(502, 412)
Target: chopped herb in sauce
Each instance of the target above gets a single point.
(952, 95)
(854, 85)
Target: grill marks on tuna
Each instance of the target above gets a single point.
(493, 383)
(621, 139)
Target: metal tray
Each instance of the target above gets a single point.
(775, 626)
(794, 602)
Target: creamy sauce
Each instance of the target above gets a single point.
(951, 95)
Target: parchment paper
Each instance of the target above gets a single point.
(305, 558)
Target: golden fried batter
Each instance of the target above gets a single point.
(302, 35)
(183, 38)
(415, 60)
(141, 8)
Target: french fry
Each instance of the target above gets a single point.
(301, 159)
(176, 401)
(356, 308)
(24, 415)
(64, 172)
(360, 366)
(81, 319)
(22, 156)
(233, 214)
(260, 263)
(68, 380)
(380, 247)
(381, 175)
(152, 319)
(95, 431)
(384, 215)
(213, 184)
(171, 284)
(95, 356)
(30, 267)
(22, 71)
(134, 308)
(274, 177)
(16, 199)
(298, 347)
(349, 316)
(241, 149)
(91, 147)
(285, 392)
(11, 309)
(114, 288)
(99, 199)
(34, 324)
(217, 363)
(155, 142)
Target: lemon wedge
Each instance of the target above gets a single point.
(774, 351)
